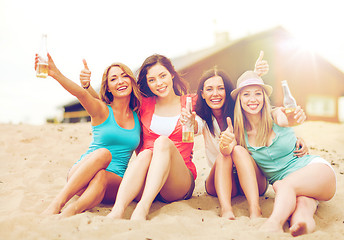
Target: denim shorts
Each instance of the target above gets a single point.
(188, 195)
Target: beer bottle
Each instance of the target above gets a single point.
(42, 67)
(188, 128)
(289, 103)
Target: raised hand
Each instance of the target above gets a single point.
(261, 67)
(187, 116)
(85, 76)
(298, 118)
(227, 139)
(52, 69)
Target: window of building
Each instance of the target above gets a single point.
(341, 109)
(324, 106)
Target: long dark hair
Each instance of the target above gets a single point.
(179, 85)
(202, 108)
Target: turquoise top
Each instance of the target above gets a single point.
(277, 160)
(119, 141)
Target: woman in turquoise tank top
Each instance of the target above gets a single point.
(297, 182)
(116, 134)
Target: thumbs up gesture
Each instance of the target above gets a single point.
(85, 76)
(261, 67)
(227, 139)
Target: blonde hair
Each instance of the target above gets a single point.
(241, 123)
(107, 97)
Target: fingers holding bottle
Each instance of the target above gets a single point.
(299, 115)
(187, 116)
(51, 70)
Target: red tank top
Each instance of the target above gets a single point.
(149, 137)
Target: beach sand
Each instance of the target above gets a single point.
(34, 161)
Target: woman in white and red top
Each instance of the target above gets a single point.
(163, 169)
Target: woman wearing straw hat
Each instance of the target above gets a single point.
(233, 171)
(297, 182)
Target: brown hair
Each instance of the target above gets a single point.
(241, 123)
(107, 97)
(179, 85)
(202, 108)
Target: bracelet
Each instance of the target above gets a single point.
(86, 87)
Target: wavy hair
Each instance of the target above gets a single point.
(203, 110)
(179, 85)
(107, 97)
(241, 123)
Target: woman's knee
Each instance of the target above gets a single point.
(100, 178)
(221, 159)
(143, 158)
(162, 143)
(277, 185)
(103, 156)
(241, 155)
(239, 151)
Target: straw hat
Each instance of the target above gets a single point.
(249, 78)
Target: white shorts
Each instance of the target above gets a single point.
(321, 160)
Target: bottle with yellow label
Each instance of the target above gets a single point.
(289, 103)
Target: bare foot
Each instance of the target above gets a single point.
(302, 227)
(256, 213)
(51, 210)
(70, 211)
(271, 226)
(228, 215)
(298, 229)
(116, 214)
(139, 213)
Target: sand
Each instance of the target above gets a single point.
(34, 161)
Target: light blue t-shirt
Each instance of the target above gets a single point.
(119, 141)
(277, 160)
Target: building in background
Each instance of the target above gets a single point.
(317, 85)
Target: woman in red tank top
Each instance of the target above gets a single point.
(163, 169)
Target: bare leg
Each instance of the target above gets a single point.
(167, 174)
(247, 179)
(302, 221)
(314, 181)
(220, 183)
(79, 177)
(132, 183)
(94, 194)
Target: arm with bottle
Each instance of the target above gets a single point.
(188, 121)
(290, 114)
(189, 116)
(280, 114)
(92, 105)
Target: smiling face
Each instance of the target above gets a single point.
(252, 99)
(214, 92)
(119, 82)
(160, 80)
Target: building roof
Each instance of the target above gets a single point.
(185, 61)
